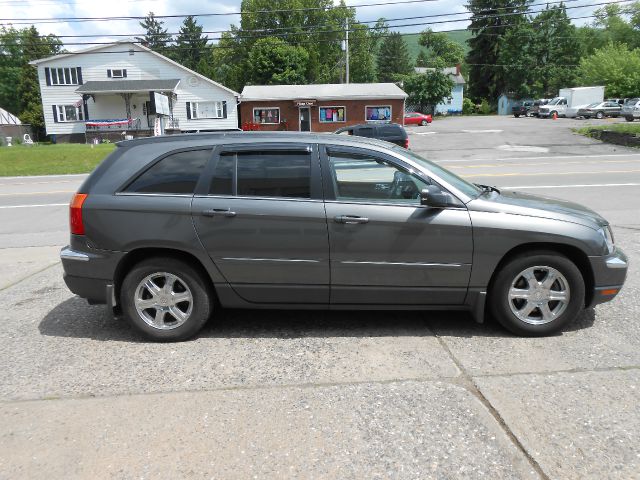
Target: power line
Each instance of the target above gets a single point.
(369, 28)
(288, 10)
(143, 34)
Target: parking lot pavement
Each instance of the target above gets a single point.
(331, 394)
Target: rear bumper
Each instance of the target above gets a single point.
(89, 273)
(609, 274)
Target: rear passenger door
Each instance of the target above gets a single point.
(260, 215)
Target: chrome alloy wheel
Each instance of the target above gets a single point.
(539, 295)
(163, 300)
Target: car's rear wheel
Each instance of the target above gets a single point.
(537, 294)
(629, 119)
(424, 123)
(517, 115)
(166, 299)
(599, 115)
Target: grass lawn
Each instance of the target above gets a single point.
(616, 127)
(51, 159)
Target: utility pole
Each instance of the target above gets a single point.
(347, 50)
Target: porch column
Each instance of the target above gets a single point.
(127, 104)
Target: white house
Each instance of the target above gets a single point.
(108, 90)
(453, 103)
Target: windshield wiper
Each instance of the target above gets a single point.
(487, 188)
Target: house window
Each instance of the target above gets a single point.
(64, 76)
(333, 114)
(378, 113)
(266, 115)
(69, 113)
(117, 73)
(207, 110)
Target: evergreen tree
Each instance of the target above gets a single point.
(490, 22)
(422, 60)
(191, 45)
(156, 37)
(441, 50)
(393, 58)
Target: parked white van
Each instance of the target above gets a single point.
(570, 100)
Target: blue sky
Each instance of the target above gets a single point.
(103, 8)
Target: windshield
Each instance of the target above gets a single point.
(593, 105)
(632, 101)
(465, 187)
(555, 101)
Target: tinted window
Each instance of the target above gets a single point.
(176, 173)
(222, 181)
(364, 132)
(390, 131)
(264, 174)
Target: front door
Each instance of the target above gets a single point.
(261, 219)
(305, 119)
(385, 247)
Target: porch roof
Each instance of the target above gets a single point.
(128, 86)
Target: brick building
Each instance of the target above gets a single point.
(320, 108)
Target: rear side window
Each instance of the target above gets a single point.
(284, 174)
(177, 173)
(390, 131)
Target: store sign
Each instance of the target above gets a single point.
(304, 103)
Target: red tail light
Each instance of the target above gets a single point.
(406, 143)
(75, 214)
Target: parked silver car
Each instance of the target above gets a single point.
(600, 110)
(631, 109)
(170, 229)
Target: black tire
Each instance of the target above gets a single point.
(424, 123)
(201, 303)
(500, 303)
(599, 115)
(629, 119)
(517, 115)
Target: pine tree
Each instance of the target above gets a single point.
(490, 22)
(393, 58)
(191, 45)
(156, 37)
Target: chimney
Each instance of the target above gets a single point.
(457, 69)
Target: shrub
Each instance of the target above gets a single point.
(485, 108)
(468, 107)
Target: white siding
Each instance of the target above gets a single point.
(142, 65)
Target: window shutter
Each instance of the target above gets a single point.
(109, 73)
(79, 72)
(55, 113)
(124, 73)
(224, 109)
(47, 74)
(188, 110)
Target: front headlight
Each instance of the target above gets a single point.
(608, 238)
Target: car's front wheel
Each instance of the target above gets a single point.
(166, 299)
(537, 294)
(599, 115)
(424, 123)
(629, 119)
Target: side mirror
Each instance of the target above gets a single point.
(432, 196)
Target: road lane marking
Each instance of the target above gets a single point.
(546, 173)
(34, 206)
(424, 133)
(520, 187)
(37, 193)
(522, 148)
(63, 175)
(497, 165)
(545, 157)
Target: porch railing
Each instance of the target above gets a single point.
(122, 124)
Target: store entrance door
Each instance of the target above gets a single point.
(305, 119)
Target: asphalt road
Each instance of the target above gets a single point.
(327, 394)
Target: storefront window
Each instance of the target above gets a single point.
(332, 114)
(380, 113)
(266, 115)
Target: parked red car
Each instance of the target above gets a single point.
(417, 118)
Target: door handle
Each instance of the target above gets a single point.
(212, 212)
(351, 219)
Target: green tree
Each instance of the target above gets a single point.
(274, 62)
(490, 22)
(426, 90)
(616, 67)
(156, 37)
(393, 58)
(11, 62)
(191, 45)
(362, 60)
(440, 50)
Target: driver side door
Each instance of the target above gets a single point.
(385, 247)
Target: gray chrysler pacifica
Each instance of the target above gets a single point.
(168, 230)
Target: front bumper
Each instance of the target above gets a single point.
(89, 273)
(609, 274)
